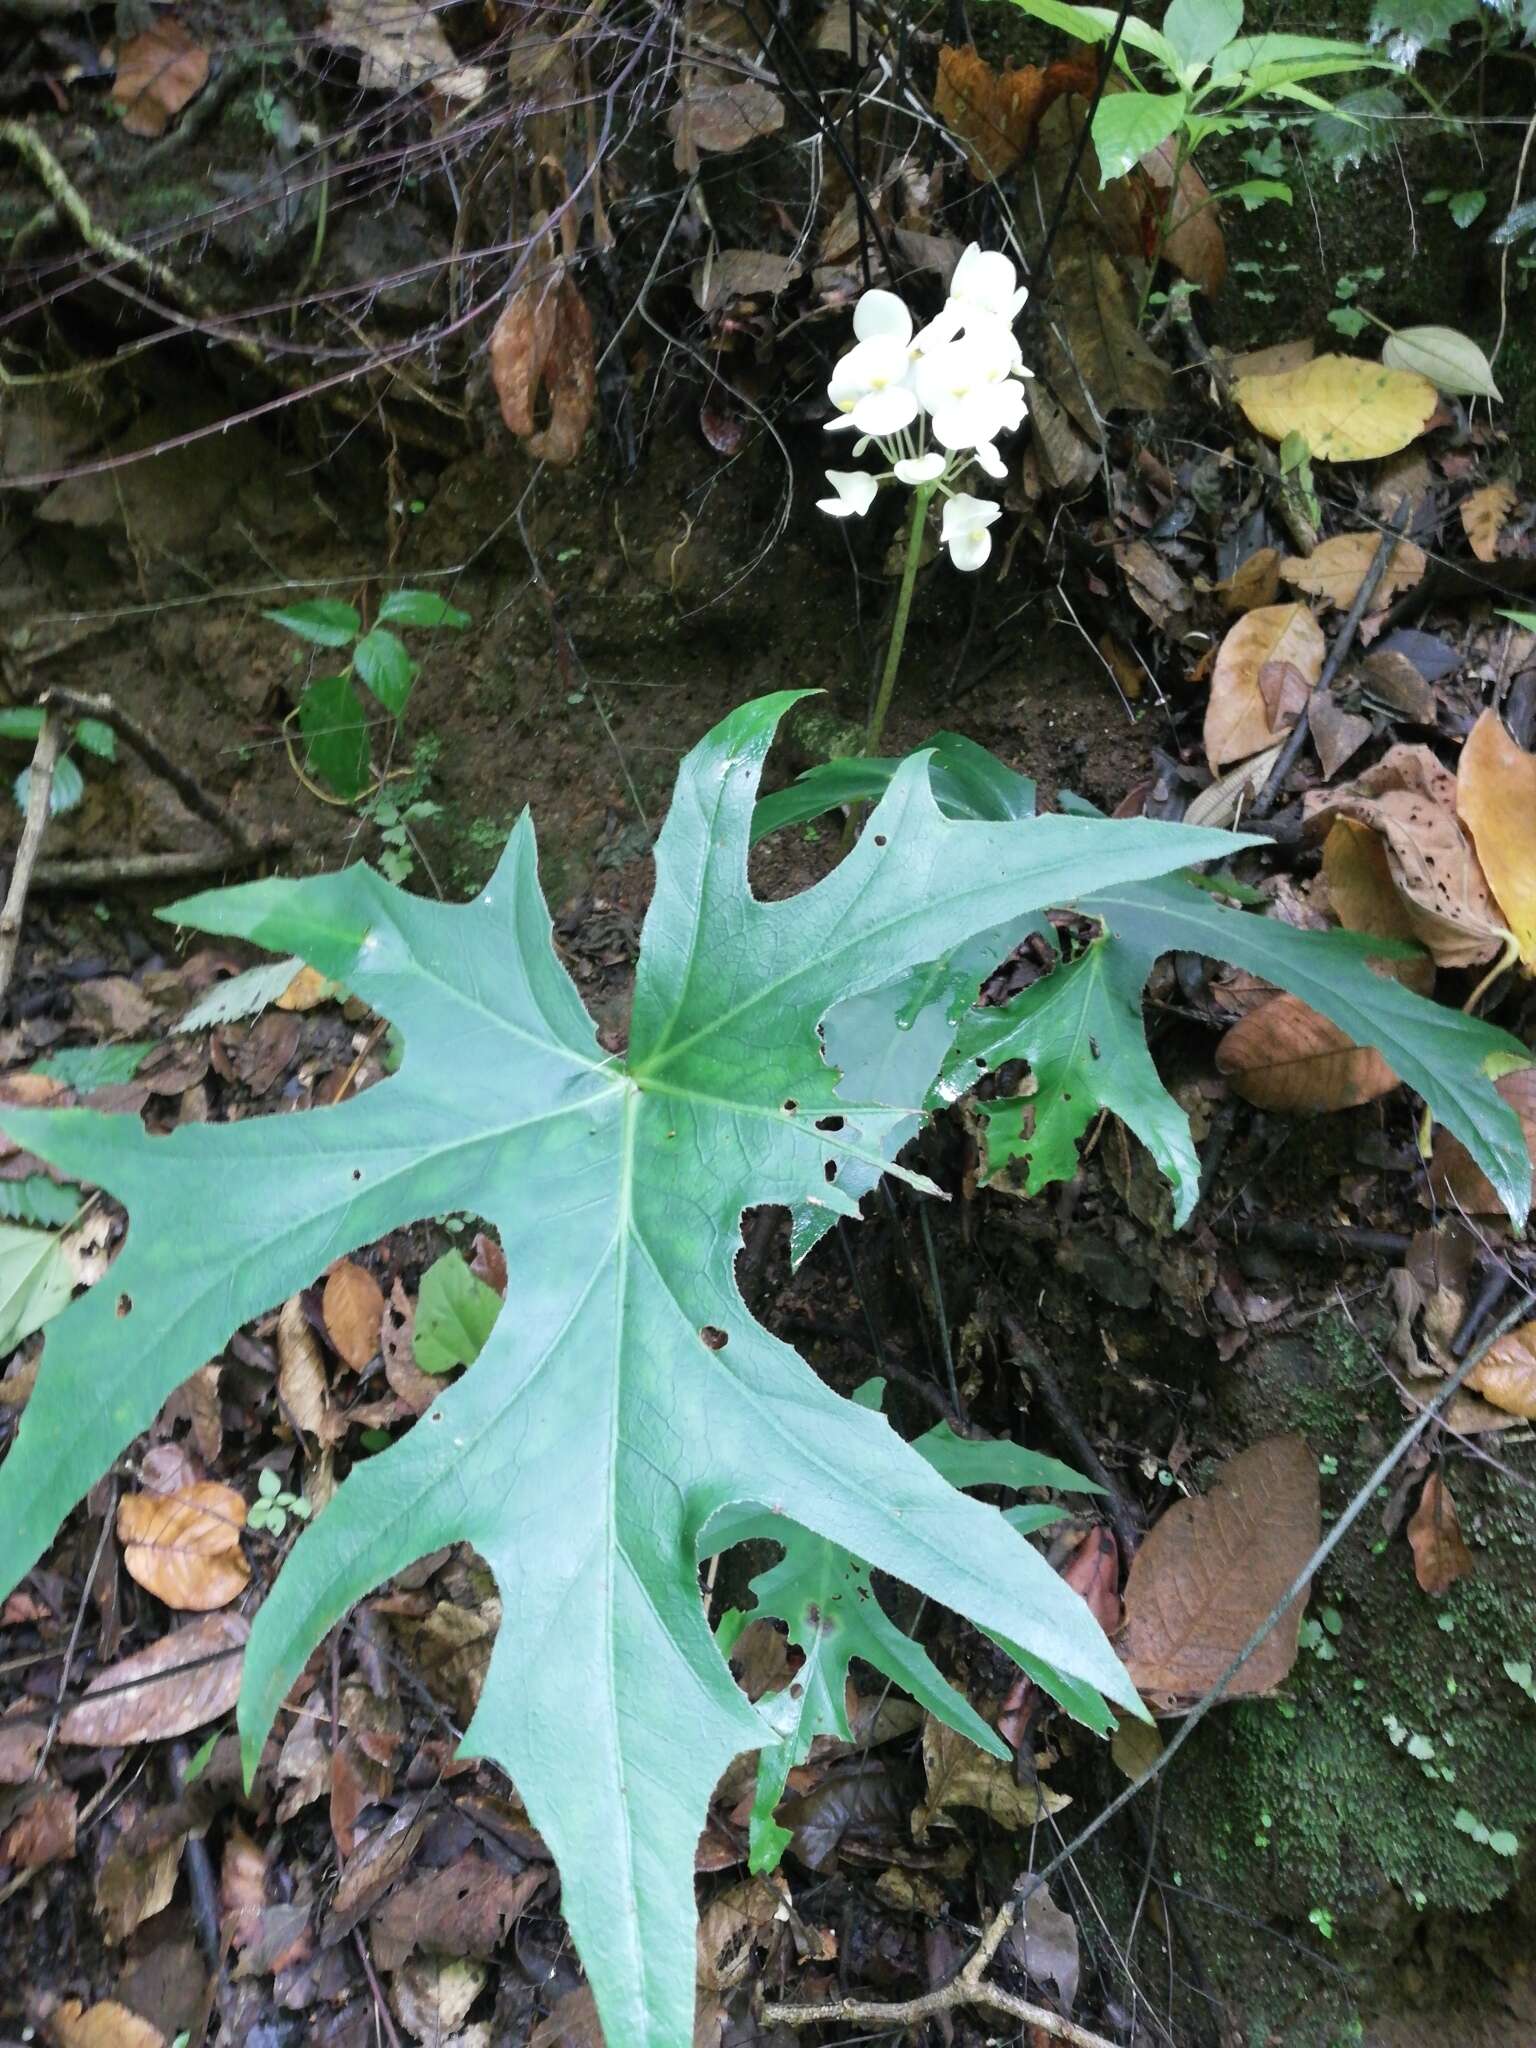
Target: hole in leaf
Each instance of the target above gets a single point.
(879, 839)
(125, 1305)
(829, 1171)
(790, 1105)
(715, 1339)
(829, 1123)
(357, 1173)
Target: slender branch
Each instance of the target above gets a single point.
(39, 790)
(966, 1989)
(191, 792)
(64, 875)
(1370, 583)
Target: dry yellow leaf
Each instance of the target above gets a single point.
(353, 1309)
(1254, 583)
(107, 2025)
(1345, 409)
(1284, 1056)
(1410, 800)
(1275, 638)
(960, 1774)
(1496, 801)
(1483, 515)
(184, 1547)
(1364, 898)
(1336, 569)
(303, 1386)
(1507, 1376)
(306, 990)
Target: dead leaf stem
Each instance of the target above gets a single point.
(1344, 640)
(39, 790)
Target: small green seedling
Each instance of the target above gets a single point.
(25, 722)
(331, 716)
(273, 1505)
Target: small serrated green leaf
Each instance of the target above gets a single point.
(322, 621)
(37, 1199)
(84, 1067)
(242, 995)
(65, 792)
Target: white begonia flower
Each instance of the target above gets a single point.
(964, 529)
(855, 490)
(881, 316)
(871, 389)
(983, 288)
(989, 460)
(966, 389)
(919, 469)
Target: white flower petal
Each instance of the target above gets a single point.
(990, 460)
(970, 550)
(963, 529)
(886, 411)
(880, 315)
(920, 469)
(855, 489)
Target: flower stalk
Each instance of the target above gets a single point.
(874, 730)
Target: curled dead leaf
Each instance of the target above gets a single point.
(352, 1306)
(307, 990)
(542, 346)
(1484, 515)
(1345, 409)
(960, 1774)
(1507, 1375)
(1409, 800)
(43, 1831)
(303, 1385)
(1496, 801)
(1336, 568)
(994, 115)
(184, 1547)
(1440, 1556)
(1285, 1056)
(1237, 720)
(187, 1679)
(1214, 1567)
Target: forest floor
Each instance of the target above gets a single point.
(1305, 1873)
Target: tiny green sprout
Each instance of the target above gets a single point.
(418, 506)
(1451, 1688)
(1285, 1710)
(201, 1759)
(568, 555)
(1518, 1672)
(1322, 1920)
(1358, 1685)
(1261, 1841)
(375, 1439)
(273, 1505)
(1332, 1620)
(1164, 1477)
(1328, 1465)
(1420, 1748)
(1447, 1623)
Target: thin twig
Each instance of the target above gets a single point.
(154, 756)
(156, 867)
(969, 1988)
(1344, 640)
(39, 790)
(108, 1517)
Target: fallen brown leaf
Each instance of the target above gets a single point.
(158, 72)
(1336, 568)
(307, 990)
(994, 115)
(1237, 722)
(432, 1998)
(187, 1679)
(468, 1908)
(960, 1774)
(43, 1832)
(1093, 1572)
(352, 1305)
(105, 2025)
(1496, 801)
(1507, 1376)
(1284, 1056)
(542, 342)
(1364, 898)
(1194, 244)
(1214, 1567)
(1484, 515)
(1440, 1557)
(732, 1925)
(400, 44)
(719, 112)
(184, 1547)
(397, 1330)
(571, 2023)
(373, 1869)
(303, 1385)
(1253, 584)
(139, 1877)
(1409, 800)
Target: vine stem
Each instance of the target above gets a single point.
(876, 726)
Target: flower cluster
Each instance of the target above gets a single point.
(957, 381)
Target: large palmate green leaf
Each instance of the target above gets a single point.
(627, 1395)
(1080, 1027)
(833, 1615)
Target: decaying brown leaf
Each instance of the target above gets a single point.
(1364, 898)
(960, 1774)
(1275, 638)
(158, 72)
(352, 1307)
(1043, 1942)
(994, 115)
(1093, 1573)
(397, 1332)
(307, 990)
(1440, 1556)
(1507, 1376)
(1453, 1175)
(542, 344)
(1284, 1056)
(139, 1875)
(1409, 800)
(468, 1908)
(1253, 584)
(733, 1925)
(187, 1679)
(719, 111)
(400, 44)
(1496, 801)
(1484, 515)
(303, 1385)
(432, 1998)
(1214, 1567)
(184, 1547)
(1135, 1747)
(1194, 243)
(43, 1832)
(1100, 363)
(728, 274)
(1336, 568)
(104, 2025)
